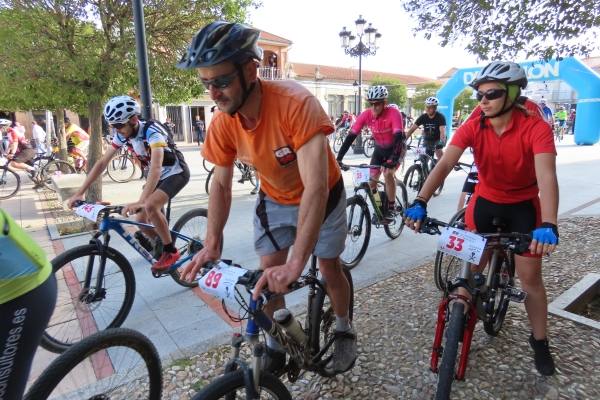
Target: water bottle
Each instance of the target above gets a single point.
(377, 198)
(291, 325)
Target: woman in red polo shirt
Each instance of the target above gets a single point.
(516, 158)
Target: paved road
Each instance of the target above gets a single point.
(180, 323)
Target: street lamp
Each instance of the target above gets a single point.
(362, 48)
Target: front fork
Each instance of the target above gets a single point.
(467, 335)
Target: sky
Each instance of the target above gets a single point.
(314, 26)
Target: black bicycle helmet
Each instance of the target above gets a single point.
(221, 41)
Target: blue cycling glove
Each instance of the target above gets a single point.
(547, 233)
(417, 210)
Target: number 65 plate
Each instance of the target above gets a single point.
(220, 281)
(467, 246)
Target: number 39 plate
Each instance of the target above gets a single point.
(221, 280)
(467, 246)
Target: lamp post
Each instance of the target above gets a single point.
(362, 48)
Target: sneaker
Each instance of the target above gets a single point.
(543, 359)
(344, 351)
(157, 248)
(144, 241)
(273, 361)
(165, 261)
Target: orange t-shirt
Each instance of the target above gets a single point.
(289, 117)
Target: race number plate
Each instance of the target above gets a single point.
(360, 175)
(89, 211)
(220, 281)
(421, 151)
(467, 246)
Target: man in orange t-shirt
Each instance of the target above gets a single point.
(280, 129)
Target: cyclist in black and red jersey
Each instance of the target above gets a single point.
(434, 128)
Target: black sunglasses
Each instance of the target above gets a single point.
(118, 125)
(375, 103)
(491, 94)
(220, 82)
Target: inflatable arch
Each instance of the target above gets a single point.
(582, 79)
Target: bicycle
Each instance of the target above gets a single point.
(248, 174)
(417, 174)
(368, 143)
(559, 130)
(309, 350)
(96, 270)
(48, 166)
(338, 138)
(359, 215)
(121, 168)
(489, 293)
(124, 365)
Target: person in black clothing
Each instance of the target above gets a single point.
(434, 128)
(199, 129)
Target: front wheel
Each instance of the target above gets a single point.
(120, 363)
(447, 267)
(358, 222)
(413, 181)
(321, 320)
(232, 386)
(394, 228)
(85, 308)
(450, 350)
(10, 183)
(368, 147)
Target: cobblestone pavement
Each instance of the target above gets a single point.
(396, 332)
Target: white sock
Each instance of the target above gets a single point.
(342, 324)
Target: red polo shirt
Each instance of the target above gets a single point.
(506, 162)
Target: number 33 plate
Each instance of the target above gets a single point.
(467, 246)
(220, 281)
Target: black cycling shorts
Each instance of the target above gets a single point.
(381, 155)
(22, 323)
(25, 156)
(173, 184)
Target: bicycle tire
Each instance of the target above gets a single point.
(207, 165)
(493, 324)
(447, 369)
(72, 295)
(394, 230)
(55, 168)
(7, 188)
(121, 163)
(441, 271)
(58, 370)
(369, 147)
(224, 385)
(337, 143)
(356, 230)
(185, 247)
(321, 321)
(207, 182)
(413, 181)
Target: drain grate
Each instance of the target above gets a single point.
(581, 303)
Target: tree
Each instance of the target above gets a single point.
(396, 89)
(422, 92)
(464, 103)
(507, 29)
(83, 51)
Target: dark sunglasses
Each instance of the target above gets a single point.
(375, 103)
(491, 94)
(220, 82)
(118, 125)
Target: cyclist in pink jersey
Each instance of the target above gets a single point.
(387, 128)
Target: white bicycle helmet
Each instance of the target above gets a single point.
(120, 109)
(378, 92)
(431, 101)
(501, 71)
(5, 122)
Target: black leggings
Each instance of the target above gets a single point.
(22, 323)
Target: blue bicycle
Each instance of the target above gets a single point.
(97, 283)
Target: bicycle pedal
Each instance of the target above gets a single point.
(160, 274)
(516, 295)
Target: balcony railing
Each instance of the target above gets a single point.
(270, 73)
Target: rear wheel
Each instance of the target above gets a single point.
(394, 228)
(55, 168)
(120, 363)
(121, 168)
(369, 147)
(498, 304)
(358, 220)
